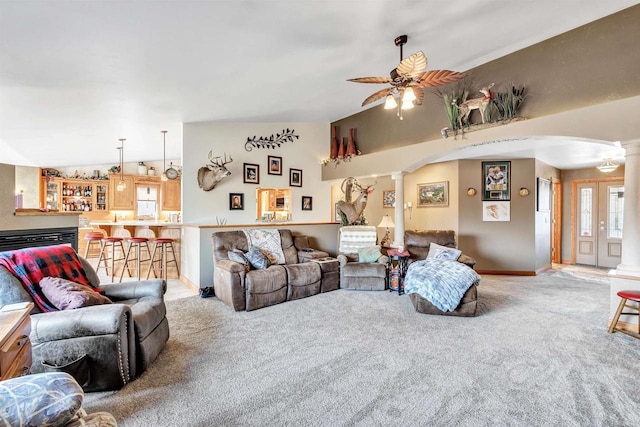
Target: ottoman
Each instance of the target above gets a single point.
(467, 308)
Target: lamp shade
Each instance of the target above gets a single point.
(390, 103)
(386, 222)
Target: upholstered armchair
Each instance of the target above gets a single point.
(353, 241)
(109, 345)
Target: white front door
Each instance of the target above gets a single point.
(599, 223)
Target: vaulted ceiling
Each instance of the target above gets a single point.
(77, 75)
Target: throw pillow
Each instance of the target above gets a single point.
(237, 255)
(369, 254)
(67, 295)
(257, 258)
(442, 252)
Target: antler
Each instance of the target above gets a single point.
(216, 160)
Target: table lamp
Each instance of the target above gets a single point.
(386, 223)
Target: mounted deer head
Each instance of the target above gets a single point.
(352, 210)
(210, 175)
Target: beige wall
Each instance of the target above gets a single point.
(28, 183)
(593, 64)
(8, 221)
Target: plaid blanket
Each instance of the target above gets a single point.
(30, 265)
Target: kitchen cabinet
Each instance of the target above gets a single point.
(121, 200)
(171, 195)
(74, 195)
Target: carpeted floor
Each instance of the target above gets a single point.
(538, 354)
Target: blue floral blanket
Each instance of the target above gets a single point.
(442, 282)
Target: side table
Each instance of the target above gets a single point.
(330, 270)
(396, 269)
(15, 346)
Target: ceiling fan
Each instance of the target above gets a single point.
(407, 81)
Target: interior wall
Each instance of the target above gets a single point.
(507, 246)
(206, 207)
(553, 72)
(568, 176)
(28, 184)
(433, 217)
(8, 221)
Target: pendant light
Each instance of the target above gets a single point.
(121, 185)
(607, 166)
(163, 177)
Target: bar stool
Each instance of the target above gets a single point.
(93, 237)
(626, 296)
(135, 243)
(163, 243)
(108, 252)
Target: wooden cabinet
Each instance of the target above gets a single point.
(15, 346)
(121, 200)
(50, 193)
(74, 195)
(171, 195)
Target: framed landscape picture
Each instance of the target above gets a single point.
(295, 177)
(433, 194)
(496, 180)
(274, 165)
(388, 198)
(251, 174)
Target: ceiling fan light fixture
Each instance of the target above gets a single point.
(409, 95)
(407, 105)
(607, 166)
(390, 103)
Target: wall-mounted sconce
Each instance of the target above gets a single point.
(471, 191)
(409, 206)
(523, 191)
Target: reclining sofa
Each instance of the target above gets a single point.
(418, 244)
(107, 345)
(244, 288)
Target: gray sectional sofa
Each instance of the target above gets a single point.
(251, 289)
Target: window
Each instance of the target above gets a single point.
(615, 212)
(586, 212)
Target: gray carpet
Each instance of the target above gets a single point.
(538, 354)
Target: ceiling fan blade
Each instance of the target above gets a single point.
(371, 80)
(412, 66)
(439, 77)
(378, 95)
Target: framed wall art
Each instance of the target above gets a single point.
(496, 211)
(433, 194)
(544, 195)
(251, 174)
(274, 165)
(388, 198)
(307, 203)
(295, 177)
(496, 178)
(236, 201)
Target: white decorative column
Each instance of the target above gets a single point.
(627, 273)
(398, 236)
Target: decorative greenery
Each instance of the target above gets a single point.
(503, 106)
(272, 141)
(458, 94)
(508, 101)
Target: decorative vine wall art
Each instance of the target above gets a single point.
(272, 141)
